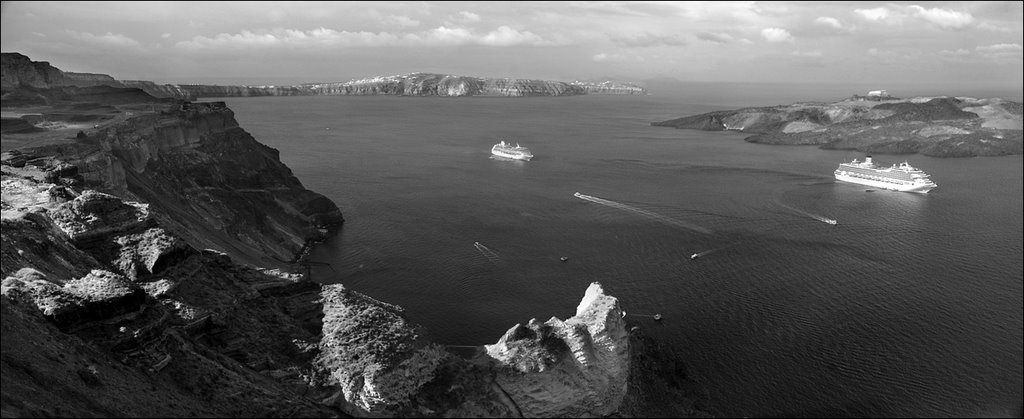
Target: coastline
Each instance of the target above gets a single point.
(153, 251)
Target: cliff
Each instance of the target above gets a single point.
(142, 276)
(427, 84)
(107, 313)
(160, 90)
(20, 71)
(933, 126)
(90, 79)
(207, 179)
(99, 299)
(17, 70)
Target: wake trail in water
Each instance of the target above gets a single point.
(821, 218)
(704, 253)
(635, 210)
(488, 253)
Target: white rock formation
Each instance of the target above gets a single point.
(572, 368)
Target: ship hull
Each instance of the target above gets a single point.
(913, 187)
(511, 156)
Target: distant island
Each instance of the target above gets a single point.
(878, 123)
(42, 75)
(415, 84)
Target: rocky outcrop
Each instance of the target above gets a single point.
(104, 315)
(381, 366)
(18, 71)
(572, 368)
(940, 126)
(373, 356)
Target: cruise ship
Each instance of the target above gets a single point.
(508, 151)
(904, 178)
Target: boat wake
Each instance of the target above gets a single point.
(649, 214)
(705, 253)
(488, 253)
(817, 217)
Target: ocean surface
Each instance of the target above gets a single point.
(911, 305)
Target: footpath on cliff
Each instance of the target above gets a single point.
(147, 253)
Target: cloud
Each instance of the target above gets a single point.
(1001, 52)
(829, 22)
(897, 15)
(812, 54)
(109, 40)
(464, 16)
(876, 14)
(325, 37)
(450, 36)
(402, 21)
(776, 35)
(944, 18)
(603, 57)
(506, 36)
(288, 38)
(988, 26)
(955, 53)
(647, 39)
(720, 38)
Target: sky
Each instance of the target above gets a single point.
(882, 43)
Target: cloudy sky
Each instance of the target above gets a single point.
(292, 42)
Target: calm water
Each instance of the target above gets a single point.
(910, 306)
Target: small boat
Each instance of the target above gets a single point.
(694, 256)
(657, 317)
(564, 259)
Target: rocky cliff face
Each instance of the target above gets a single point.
(90, 79)
(101, 301)
(207, 179)
(416, 84)
(19, 71)
(101, 298)
(106, 313)
(572, 368)
(159, 90)
(426, 84)
(940, 126)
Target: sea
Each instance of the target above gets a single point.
(910, 305)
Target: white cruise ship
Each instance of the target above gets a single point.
(904, 178)
(508, 151)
